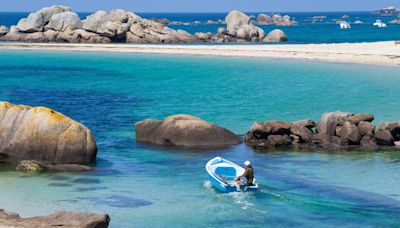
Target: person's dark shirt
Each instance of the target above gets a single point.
(249, 174)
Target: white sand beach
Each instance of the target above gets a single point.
(382, 53)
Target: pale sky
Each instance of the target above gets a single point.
(202, 5)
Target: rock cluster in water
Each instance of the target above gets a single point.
(60, 24)
(43, 135)
(57, 219)
(275, 19)
(185, 131)
(335, 131)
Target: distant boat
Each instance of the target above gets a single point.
(358, 22)
(344, 25)
(222, 174)
(379, 24)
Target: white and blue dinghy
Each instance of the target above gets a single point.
(222, 174)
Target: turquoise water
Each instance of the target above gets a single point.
(149, 186)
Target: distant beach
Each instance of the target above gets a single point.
(381, 53)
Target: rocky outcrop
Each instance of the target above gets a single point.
(275, 19)
(3, 30)
(57, 219)
(335, 131)
(275, 35)
(238, 26)
(44, 135)
(60, 24)
(185, 131)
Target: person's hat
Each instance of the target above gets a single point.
(247, 163)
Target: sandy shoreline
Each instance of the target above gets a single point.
(382, 53)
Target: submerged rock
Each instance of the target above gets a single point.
(44, 135)
(184, 130)
(276, 35)
(29, 166)
(57, 219)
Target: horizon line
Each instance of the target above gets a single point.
(336, 11)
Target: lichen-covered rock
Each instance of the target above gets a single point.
(64, 21)
(44, 135)
(184, 130)
(29, 166)
(57, 219)
(276, 35)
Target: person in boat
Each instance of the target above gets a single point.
(246, 179)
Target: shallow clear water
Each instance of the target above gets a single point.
(149, 186)
(307, 31)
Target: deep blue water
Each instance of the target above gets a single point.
(150, 186)
(325, 31)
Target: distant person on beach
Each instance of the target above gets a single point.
(246, 179)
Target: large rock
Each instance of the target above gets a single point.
(384, 137)
(3, 30)
(278, 141)
(64, 21)
(13, 35)
(357, 118)
(350, 132)
(263, 18)
(366, 128)
(393, 127)
(36, 22)
(276, 35)
(330, 120)
(238, 25)
(234, 20)
(113, 25)
(368, 142)
(184, 130)
(57, 219)
(44, 135)
(304, 123)
(94, 21)
(272, 127)
(305, 134)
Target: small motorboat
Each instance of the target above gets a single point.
(344, 25)
(222, 174)
(380, 24)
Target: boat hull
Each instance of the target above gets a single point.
(223, 186)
